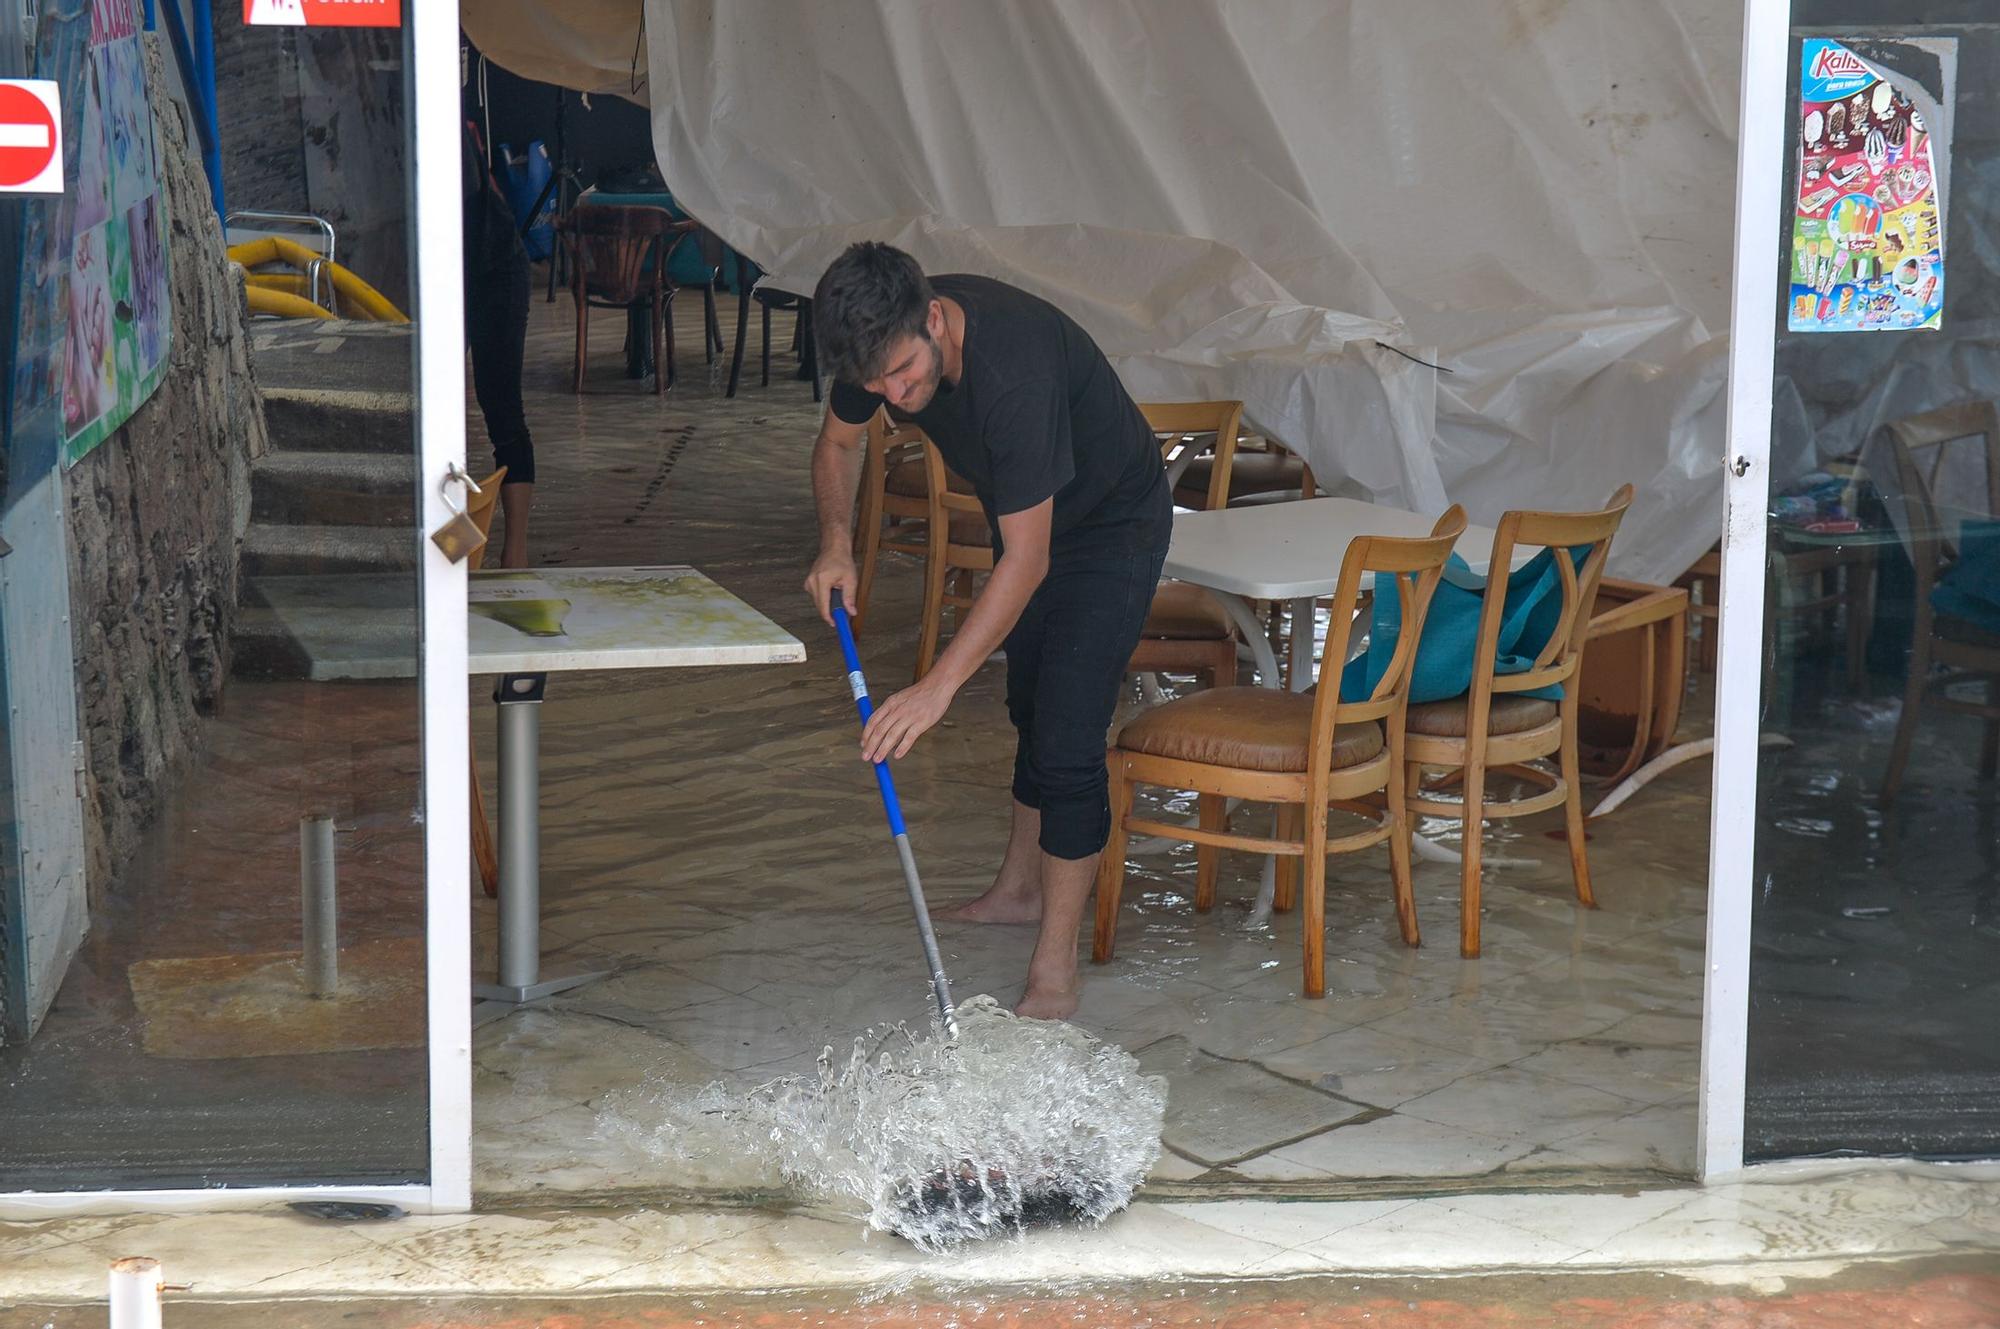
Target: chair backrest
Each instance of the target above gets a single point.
(1562, 655)
(1413, 566)
(616, 251)
(948, 493)
(1923, 444)
(1183, 425)
(480, 508)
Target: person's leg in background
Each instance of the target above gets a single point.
(496, 324)
(1093, 616)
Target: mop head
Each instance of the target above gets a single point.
(1014, 1124)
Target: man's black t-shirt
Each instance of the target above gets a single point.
(1038, 413)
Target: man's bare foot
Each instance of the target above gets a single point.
(1002, 904)
(1047, 1003)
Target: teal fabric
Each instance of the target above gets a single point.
(1971, 590)
(686, 267)
(1443, 667)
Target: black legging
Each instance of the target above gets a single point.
(496, 324)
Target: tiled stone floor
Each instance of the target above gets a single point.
(711, 836)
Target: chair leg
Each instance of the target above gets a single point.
(934, 576)
(1989, 752)
(483, 852)
(582, 341)
(663, 345)
(1473, 810)
(1572, 774)
(1906, 723)
(1111, 865)
(711, 338)
(1312, 920)
(869, 536)
(1399, 840)
(1207, 857)
(742, 326)
(1285, 897)
(766, 305)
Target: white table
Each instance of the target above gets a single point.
(1293, 551)
(528, 623)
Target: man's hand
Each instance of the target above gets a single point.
(901, 720)
(832, 571)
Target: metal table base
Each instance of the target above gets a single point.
(519, 699)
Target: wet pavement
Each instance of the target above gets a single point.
(1956, 1294)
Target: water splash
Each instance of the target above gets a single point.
(1013, 1124)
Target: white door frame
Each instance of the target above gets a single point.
(434, 114)
(1753, 315)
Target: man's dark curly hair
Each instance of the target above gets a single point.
(873, 294)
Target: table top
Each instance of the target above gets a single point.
(544, 620)
(1285, 551)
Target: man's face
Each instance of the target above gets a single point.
(913, 367)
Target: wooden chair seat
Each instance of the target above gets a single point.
(1246, 729)
(906, 479)
(1964, 632)
(1509, 715)
(1183, 611)
(1250, 473)
(970, 528)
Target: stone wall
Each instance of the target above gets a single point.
(156, 513)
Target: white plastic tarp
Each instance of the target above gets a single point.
(1259, 199)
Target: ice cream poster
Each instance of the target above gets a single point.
(120, 305)
(1867, 232)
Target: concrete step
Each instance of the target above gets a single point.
(323, 628)
(333, 355)
(334, 489)
(279, 551)
(340, 420)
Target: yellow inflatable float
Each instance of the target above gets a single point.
(284, 294)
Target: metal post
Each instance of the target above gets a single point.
(136, 1287)
(321, 947)
(520, 840)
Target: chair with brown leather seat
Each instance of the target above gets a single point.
(1307, 753)
(1222, 471)
(895, 502)
(1493, 729)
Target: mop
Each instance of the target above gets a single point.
(998, 1124)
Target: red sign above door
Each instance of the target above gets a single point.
(324, 13)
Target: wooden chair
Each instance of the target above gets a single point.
(957, 544)
(1966, 649)
(895, 494)
(1307, 753)
(1630, 694)
(1220, 470)
(481, 507)
(1187, 631)
(618, 260)
(1492, 729)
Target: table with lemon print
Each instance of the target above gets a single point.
(526, 624)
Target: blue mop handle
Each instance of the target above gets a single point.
(863, 703)
(940, 985)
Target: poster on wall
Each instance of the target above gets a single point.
(1867, 226)
(119, 309)
(323, 13)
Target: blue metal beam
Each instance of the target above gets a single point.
(196, 59)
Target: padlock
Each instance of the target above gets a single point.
(460, 537)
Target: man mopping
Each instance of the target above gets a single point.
(1025, 408)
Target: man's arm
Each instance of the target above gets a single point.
(836, 470)
(899, 721)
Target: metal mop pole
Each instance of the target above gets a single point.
(893, 807)
(320, 943)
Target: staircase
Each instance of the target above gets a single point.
(328, 585)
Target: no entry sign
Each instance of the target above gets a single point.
(30, 137)
(324, 13)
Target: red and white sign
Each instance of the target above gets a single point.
(30, 137)
(324, 13)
